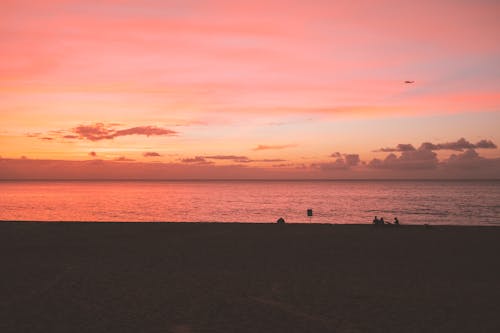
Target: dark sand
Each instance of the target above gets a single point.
(180, 277)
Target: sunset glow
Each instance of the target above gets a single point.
(249, 89)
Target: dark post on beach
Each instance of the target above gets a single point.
(309, 214)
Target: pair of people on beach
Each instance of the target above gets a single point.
(381, 221)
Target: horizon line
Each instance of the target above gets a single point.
(241, 179)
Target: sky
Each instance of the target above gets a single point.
(249, 89)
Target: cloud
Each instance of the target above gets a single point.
(242, 159)
(486, 144)
(196, 160)
(123, 159)
(270, 160)
(399, 148)
(267, 147)
(226, 157)
(283, 165)
(342, 162)
(70, 136)
(101, 131)
(467, 156)
(458, 145)
(412, 159)
(151, 154)
(351, 159)
(39, 136)
(470, 159)
(93, 154)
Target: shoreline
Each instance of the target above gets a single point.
(425, 225)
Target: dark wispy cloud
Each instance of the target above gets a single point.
(459, 145)
(123, 159)
(39, 136)
(399, 148)
(283, 165)
(226, 157)
(270, 160)
(336, 154)
(267, 147)
(151, 154)
(101, 131)
(196, 160)
(242, 159)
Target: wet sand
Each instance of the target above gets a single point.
(182, 277)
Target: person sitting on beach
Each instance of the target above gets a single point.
(396, 221)
(281, 221)
(376, 221)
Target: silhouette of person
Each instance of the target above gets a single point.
(281, 221)
(376, 221)
(382, 221)
(396, 221)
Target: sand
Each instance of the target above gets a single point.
(181, 277)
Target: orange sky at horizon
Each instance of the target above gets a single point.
(278, 89)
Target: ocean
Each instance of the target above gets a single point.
(413, 202)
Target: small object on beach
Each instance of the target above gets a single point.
(281, 221)
(376, 221)
(382, 222)
(309, 214)
(396, 221)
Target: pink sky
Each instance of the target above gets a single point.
(249, 89)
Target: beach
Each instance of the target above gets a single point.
(248, 277)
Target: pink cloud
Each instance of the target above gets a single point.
(100, 131)
(268, 147)
(151, 154)
(93, 154)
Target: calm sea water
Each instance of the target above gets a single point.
(413, 202)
